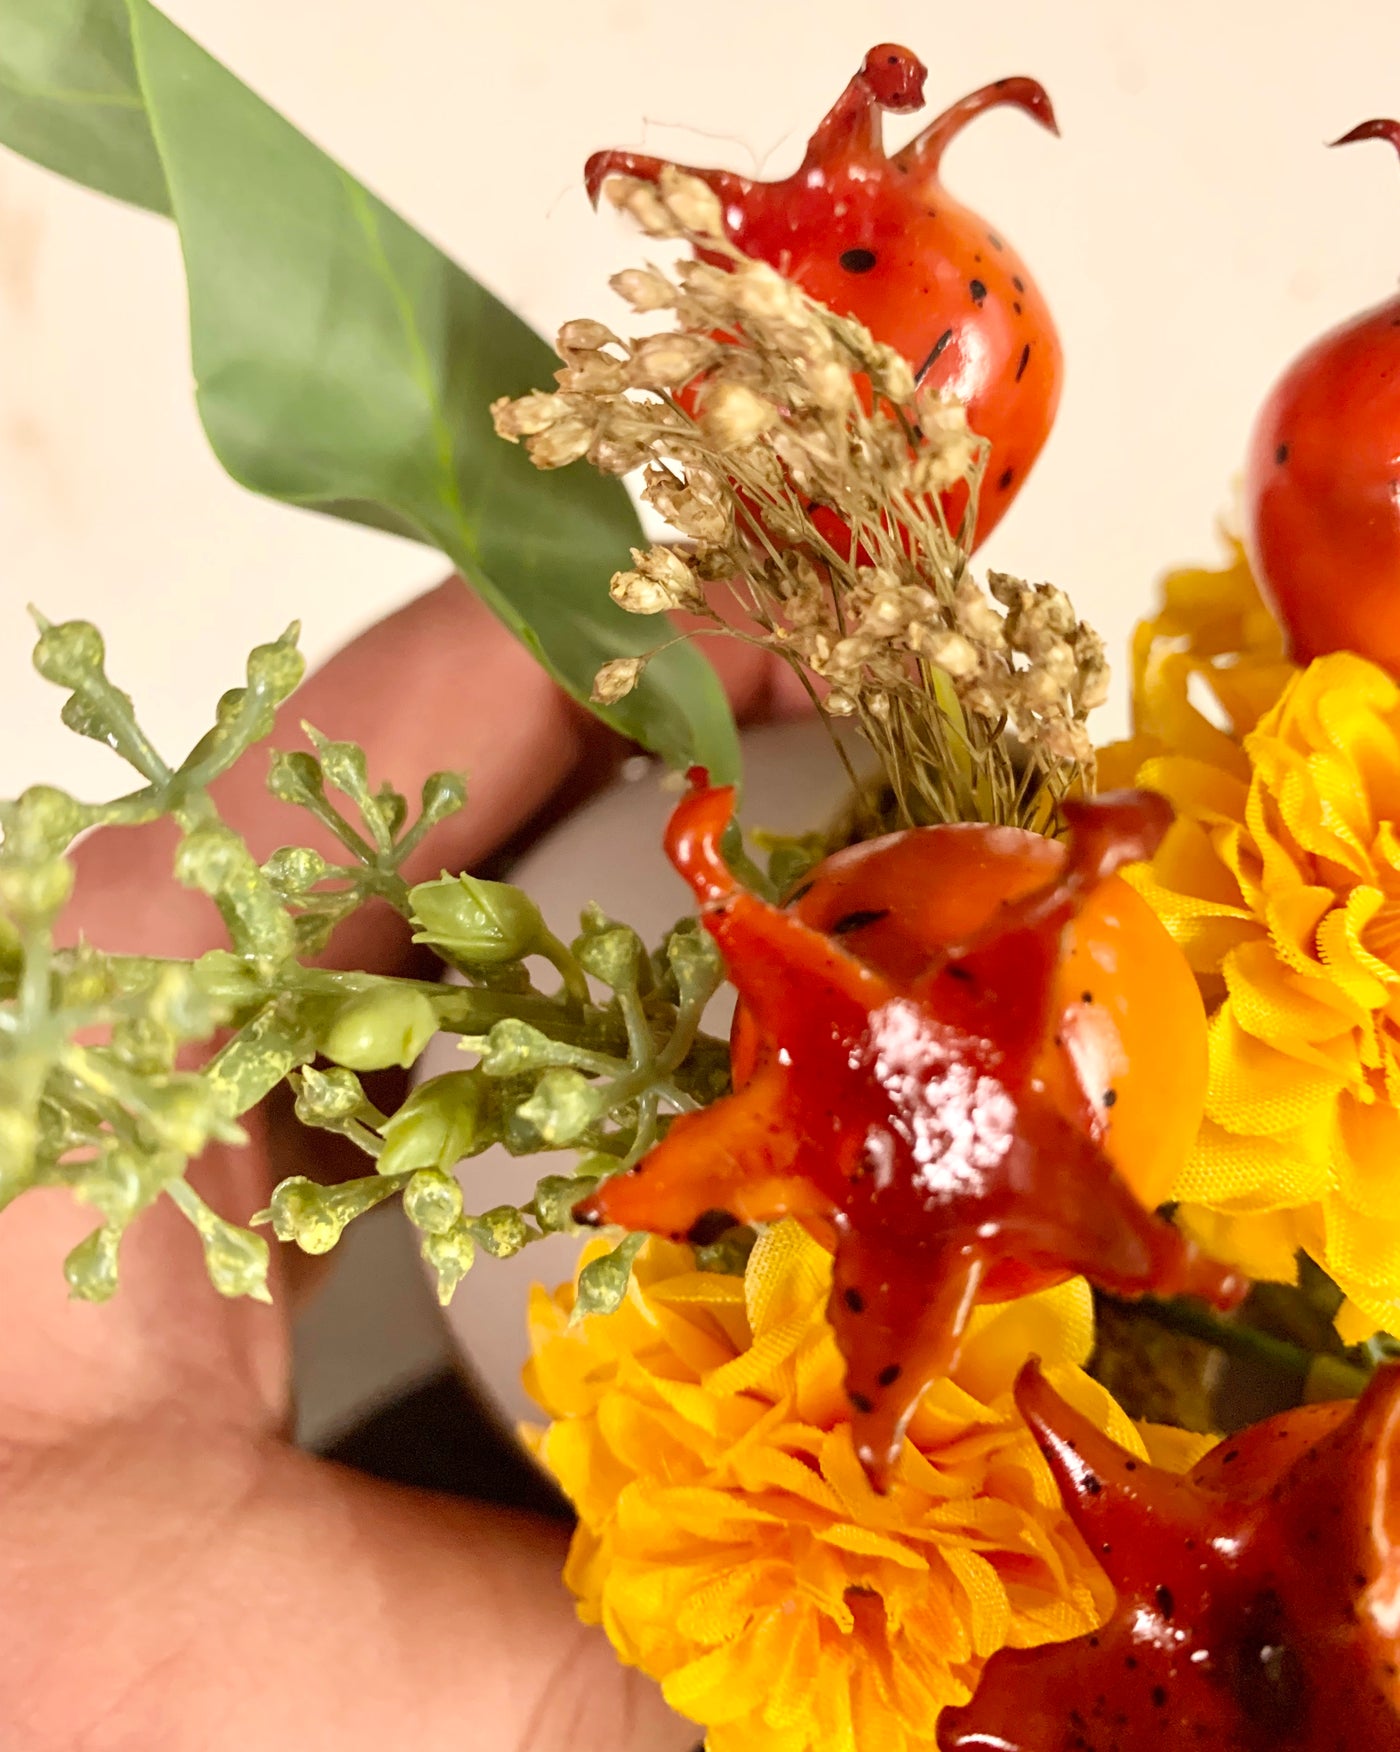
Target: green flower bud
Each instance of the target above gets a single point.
(343, 764)
(18, 1135)
(502, 1231)
(375, 1029)
(294, 869)
(235, 1258)
(300, 1213)
(555, 1198)
(295, 777)
(695, 964)
(451, 1256)
(183, 1115)
(11, 957)
(328, 1098)
(476, 921)
(70, 654)
(602, 1284)
(514, 1046)
(443, 795)
(439, 1123)
(277, 669)
(42, 822)
(562, 1107)
(211, 859)
(614, 956)
(91, 1268)
(392, 807)
(432, 1201)
(32, 894)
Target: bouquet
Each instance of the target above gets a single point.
(984, 1345)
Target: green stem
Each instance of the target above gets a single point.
(1249, 1344)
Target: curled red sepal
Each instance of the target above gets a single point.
(1258, 1597)
(1377, 129)
(903, 1119)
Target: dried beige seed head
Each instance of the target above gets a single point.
(838, 704)
(583, 335)
(733, 416)
(829, 384)
(640, 201)
(951, 652)
(644, 289)
(661, 581)
(523, 418)
(593, 374)
(667, 361)
(614, 456)
(616, 679)
(1068, 741)
(694, 506)
(889, 612)
(761, 291)
(975, 616)
(692, 203)
(564, 442)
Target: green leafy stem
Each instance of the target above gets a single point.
(95, 1093)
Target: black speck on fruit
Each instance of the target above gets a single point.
(858, 261)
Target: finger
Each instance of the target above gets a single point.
(384, 1616)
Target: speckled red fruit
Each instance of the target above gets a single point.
(1322, 485)
(879, 238)
(919, 1119)
(1258, 1603)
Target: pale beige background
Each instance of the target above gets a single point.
(1189, 229)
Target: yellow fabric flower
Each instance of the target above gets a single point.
(1281, 882)
(1213, 644)
(728, 1542)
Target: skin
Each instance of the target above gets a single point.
(173, 1573)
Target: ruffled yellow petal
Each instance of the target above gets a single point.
(1281, 882)
(729, 1542)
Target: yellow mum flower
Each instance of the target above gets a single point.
(1281, 883)
(728, 1541)
(1213, 644)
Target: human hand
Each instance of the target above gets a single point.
(174, 1574)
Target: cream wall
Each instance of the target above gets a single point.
(1189, 230)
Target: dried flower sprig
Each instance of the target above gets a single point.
(803, 468)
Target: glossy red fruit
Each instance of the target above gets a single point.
(879, 238)
(1125, 1054)
(1322, 485)
(1258, 1597)
(904, 1116)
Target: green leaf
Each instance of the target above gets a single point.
(343, 362)
(69, 97)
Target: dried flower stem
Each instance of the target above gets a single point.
(805, 471)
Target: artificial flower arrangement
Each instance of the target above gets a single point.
(899, 1395)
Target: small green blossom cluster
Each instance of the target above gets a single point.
(97, 1093)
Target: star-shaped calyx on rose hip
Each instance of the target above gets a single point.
(905, 1123)
(1258, 1597)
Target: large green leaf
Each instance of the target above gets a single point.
(343, 362)
(69, 97)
